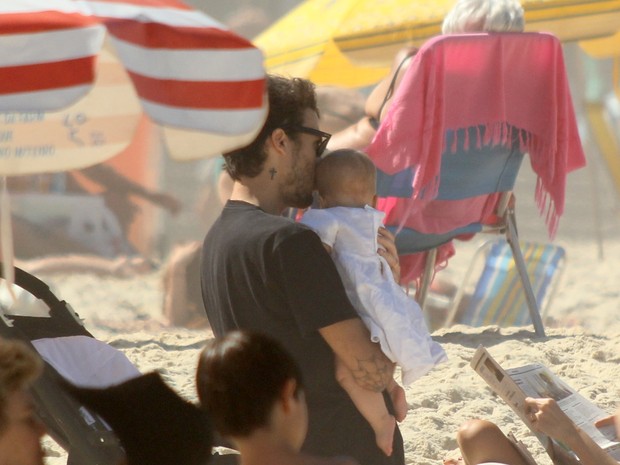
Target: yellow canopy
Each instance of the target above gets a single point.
(301, 44)
(352, 42)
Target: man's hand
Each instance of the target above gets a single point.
(350, 341)
(388, 251)
(371, 373)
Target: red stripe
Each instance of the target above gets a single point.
(43, 21)
(156, 35)
(45, 76)
(211, 95)
(153, 3)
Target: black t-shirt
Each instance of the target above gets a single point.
(270, 274)
(267, 273)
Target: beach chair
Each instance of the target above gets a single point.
(55, 331)
(448, 151)
(497, 297)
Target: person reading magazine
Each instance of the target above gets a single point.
(566, 440)
(481, 442)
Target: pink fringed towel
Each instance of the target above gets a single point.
(497, 81)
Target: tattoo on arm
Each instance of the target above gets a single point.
(373, 374)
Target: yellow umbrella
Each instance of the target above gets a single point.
(301, 44)
(352, 42)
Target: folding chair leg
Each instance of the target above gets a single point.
(427, 277)
(532, 305)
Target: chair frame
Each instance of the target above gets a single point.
(507, 226)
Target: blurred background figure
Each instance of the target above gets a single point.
(20, 428)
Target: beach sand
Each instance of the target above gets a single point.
(583, 346)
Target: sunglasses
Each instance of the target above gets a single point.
(325, 136)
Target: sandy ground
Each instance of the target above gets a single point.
(583, 346)
(587, 355)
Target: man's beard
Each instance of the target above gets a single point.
(297, 192)
(295, 197)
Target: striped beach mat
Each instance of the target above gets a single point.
(499, 298)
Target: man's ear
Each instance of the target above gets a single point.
(279, 139)
(374, 201)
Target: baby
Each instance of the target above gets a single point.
(347, 224)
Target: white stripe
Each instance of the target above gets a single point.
(170, 16)
(192, 65)
(46, 100)
(221, 121)
(44, 47)
(30, 6)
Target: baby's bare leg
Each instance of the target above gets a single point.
(399, 400)
(372, 407)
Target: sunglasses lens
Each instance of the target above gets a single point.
(323, 145)
(321, 148)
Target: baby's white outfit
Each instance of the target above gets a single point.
(393, 318)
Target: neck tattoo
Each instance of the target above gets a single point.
(272, 172)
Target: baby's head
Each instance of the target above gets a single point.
(346, 178)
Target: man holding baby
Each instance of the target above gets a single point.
(264, 272)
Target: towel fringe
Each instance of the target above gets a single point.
(503, 134)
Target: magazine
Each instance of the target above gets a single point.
(514, 385)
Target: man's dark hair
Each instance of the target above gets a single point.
(239, 379)
(288, 100)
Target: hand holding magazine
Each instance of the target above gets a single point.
(536, 381)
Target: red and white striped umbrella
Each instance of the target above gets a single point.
(193, 77)
(67, 103)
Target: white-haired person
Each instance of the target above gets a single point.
(466, 16)
(20, 427)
